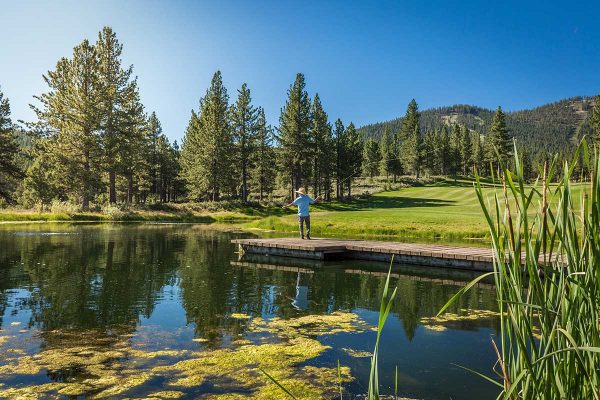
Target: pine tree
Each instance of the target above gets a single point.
(38, 187)
(476, 153)
(135, 148)
(263, 173)
(454, 158)
(115, 83)
(443, 151)
(371, 158)
(595, 120)
(244, 129)
(339, 137)
(498, 139)
(430, 163)
(191, 172)
(72, 110)
(465, 150)
(353, 152)
(9, 168)
(294, 127)
(411, 140)
(396, 160)
(167, 170)
(387, 154)
(322, 149)
(208, 146)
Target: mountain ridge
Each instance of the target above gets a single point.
(552, 127)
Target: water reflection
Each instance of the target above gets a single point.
(160, 286)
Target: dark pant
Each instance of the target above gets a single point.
(301, 222)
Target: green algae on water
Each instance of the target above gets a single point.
(108, 366)
(441, 322)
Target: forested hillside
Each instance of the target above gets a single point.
(552, 128)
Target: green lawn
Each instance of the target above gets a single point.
(442, 210)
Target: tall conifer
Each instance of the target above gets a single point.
(244, 127)
(207, 148)
(294, 127)
(371, 158)
(115, 83)
(322, 146)
(9, 168)
(465, 150)
(72, 110)
(263, 156)
(339, 137)
(498, 139)
(411, 139)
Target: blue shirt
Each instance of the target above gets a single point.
(302, 202)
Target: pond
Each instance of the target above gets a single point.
(171, 311)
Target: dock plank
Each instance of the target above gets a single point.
(472, 258)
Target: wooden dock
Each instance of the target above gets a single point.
(469, 258)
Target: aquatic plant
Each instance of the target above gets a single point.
(547, 275)
(100, 365)
(384, 311)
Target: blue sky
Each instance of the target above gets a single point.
(365, 59)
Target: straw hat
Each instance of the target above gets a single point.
(300, 191)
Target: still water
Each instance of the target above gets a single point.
(171, 311)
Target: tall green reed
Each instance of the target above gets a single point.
(547, 275)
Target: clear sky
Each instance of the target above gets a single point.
(365, 59)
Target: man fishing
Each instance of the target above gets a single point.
(303, 201)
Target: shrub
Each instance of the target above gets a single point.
(63, 207)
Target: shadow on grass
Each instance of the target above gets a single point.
(381, 202)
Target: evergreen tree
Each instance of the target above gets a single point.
(454, 156)
(411, 140)
(9, 168)
(207, 148)
(71, 110)
(339, 137)
(153, 138)
(244, 128)
(498, 139)
(322, 149)
(430, 162)
(476, 153)
(443, 151)
(371, 158)
(135, 154)
(294, 127)
(115, 83)
(595, 120)
(465, 150)
(387, 154)
(396, 160)
(353, 160)
(168, 169)
(38, 187)
(263, 173)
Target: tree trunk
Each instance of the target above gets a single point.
(130, 189)
(112, 191)
(244, 185)
(85, 203)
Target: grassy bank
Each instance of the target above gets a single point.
(446, 210)
(129, 216)
(443, 209)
